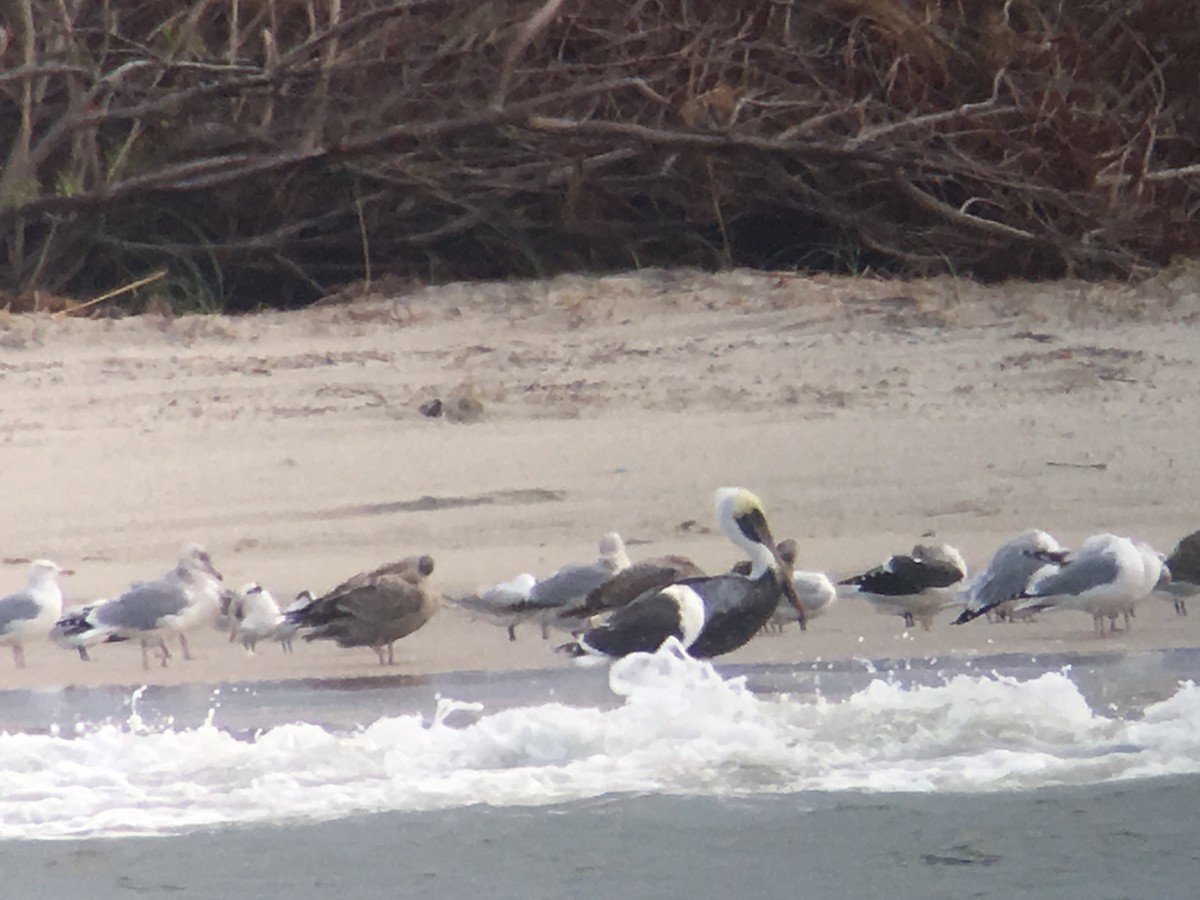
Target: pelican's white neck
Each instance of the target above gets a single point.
(728, 502)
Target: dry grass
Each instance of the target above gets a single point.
(269, 152)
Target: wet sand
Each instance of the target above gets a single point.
(868, 415)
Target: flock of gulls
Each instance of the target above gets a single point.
(614, 606)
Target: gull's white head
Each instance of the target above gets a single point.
(44, 571)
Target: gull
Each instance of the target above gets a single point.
(1107, 577)
(254, 615)
(915, 585)
(1013, 567)
(373, 609)
(711, 615)
(186, 597)
(1184, 564)
(570, 585)
(505, 604)
(630, 583)
(30, 613)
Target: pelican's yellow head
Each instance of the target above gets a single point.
(741, 517)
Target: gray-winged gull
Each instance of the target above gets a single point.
(570, 585)
(627, 585)
(184, 598)
(709, 615)
(1106, 578)
(373, 609)
(505, 604)
(1008, 574)
(31, 612)
(915, 586)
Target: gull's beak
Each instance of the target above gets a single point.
(66, 571)
(1057, 557)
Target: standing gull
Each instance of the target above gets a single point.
(373, 609)
(916, 585)
(184, 598)
(505, 604)
(709, 616)
(1107, 577)
(254, 616)
(31, 612)
(1010, 572)
(1184, 563)
(570, 585)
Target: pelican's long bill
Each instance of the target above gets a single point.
(786, 582)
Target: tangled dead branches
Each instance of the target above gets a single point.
(266, 150)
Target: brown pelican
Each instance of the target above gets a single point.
(815, 590)
(373, 609)
(184, 598)
(915, 586)
(708, 615)
(31, 612)
(1013, 567)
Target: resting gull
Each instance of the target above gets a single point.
(254, 616)
(710, 615)
(1107, 577)
(1184, 563)
(916, 585)
(570, 585)
(30, 613)
(505, 604)
(373, 609)
(1013, 567)
(184, 598)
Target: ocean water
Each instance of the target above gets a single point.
(613, 778)
(181, 759)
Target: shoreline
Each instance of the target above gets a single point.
(868, 415)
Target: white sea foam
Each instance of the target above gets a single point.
(681, 728)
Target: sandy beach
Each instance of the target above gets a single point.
(867, 414)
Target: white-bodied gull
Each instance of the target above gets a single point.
(373, 609)
(185, 598)
(1013, 567)
(1106, 578)
(505, 604)
(916, 585)
(710, 615)
(254, 616)
(814, 589)
(31, 612)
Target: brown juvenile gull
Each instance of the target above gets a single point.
(30, 613)
(184, 598)
(916, 585)
(373, 609)
(627, 585)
